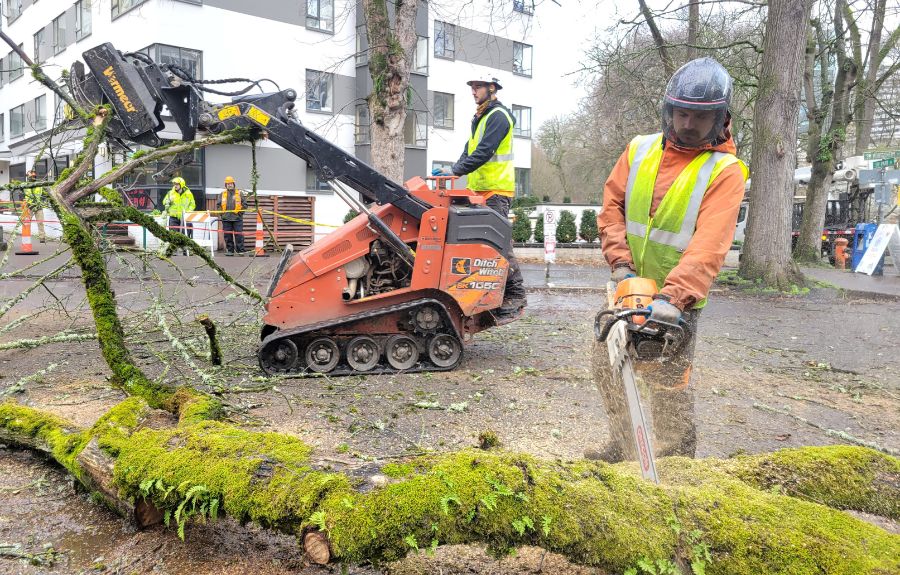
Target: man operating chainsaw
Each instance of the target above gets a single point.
(669, 210)
(488, 161)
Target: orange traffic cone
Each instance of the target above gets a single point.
(260, 250)
(26, 249)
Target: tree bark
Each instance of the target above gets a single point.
(693, 28)
(391, 46)
(769, 513)
(766, 254)
(826, 146)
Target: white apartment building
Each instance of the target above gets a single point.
(317, 47)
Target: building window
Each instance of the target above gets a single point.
(13, 10)
(59, 33)
(320, 15)
(59, 110)
(362, 54)
(17, 121)
(444, 40)
(522, 116)
(521, 59)
(318, 91)
(420, 56)
(145, 187)
(82, 19)
(523, 182)
(2, 128)
(191, 61)
(415, 129)
(16, 66)
(361, 134)
(443, 110)
(40, 113)
(38, 42)
(120, 7)
(314, 183)
(524, 6)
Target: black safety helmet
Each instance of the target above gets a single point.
(701, 84)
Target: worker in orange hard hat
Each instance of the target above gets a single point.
(231, 204)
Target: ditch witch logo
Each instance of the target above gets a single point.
(461, 266)
(119, 90)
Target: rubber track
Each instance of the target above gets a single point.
(342, 369)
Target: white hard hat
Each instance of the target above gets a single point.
(484, 79)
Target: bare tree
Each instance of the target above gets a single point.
(766, 254)
(873, 78)
(552, 141)
(829, 115)
(391, 32)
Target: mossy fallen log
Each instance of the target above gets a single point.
(740, 511)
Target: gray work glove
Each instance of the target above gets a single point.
(664, 312)
(621, 271)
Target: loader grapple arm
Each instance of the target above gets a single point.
(139, 89)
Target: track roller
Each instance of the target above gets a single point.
(444, 350)
(322, 355)
(362, 353)
(401, 352)
(279, 356)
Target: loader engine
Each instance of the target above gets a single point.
(377, 273)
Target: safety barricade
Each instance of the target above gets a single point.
(25, 247)
(203, 223)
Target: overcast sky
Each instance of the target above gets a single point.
(562, 34)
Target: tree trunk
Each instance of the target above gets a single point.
(766, 254)
(390, 54)
(824, 156)
(769, 513)
(693, 29)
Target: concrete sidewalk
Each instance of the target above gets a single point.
(259, 270)
(886, 285)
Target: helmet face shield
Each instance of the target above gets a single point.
(695, 106)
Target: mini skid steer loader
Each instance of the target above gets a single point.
(399, 288)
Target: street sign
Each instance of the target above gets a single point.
(871, 178)
(881, 155)
(549, 237)
(883, 163)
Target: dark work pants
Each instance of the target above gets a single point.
(665, 386)
(234, 235)
(515, 286)
(175, 224)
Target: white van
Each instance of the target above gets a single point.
(741, 224)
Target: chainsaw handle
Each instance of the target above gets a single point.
(601, 328)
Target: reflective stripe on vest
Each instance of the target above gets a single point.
(237, 201)
(676, 216)
(657, 243)
(498, 173)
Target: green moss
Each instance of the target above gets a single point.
(488, 439)
(56, 434)
(840, 476)
(397, 470)
(264, 477)
(101, 299)
(193, 406)
(593, 513)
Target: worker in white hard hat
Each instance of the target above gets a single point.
(487, 160)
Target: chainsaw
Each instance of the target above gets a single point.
(631, 335)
